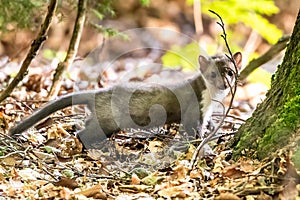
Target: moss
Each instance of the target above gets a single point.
(277, 135)
(296, 158)
(291, 112)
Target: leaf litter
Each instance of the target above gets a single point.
(48, 161)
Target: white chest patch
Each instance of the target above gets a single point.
(212, 99)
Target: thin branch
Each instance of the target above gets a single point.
(269, 55)
(236, 73)
(232, 116)
(72, 50)
(15, 152)
(35, 46)
(224, 35)
(232, 91)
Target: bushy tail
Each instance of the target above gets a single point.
(51, 107)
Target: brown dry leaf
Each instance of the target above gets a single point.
(233, 172)
(38, 183)
(57, 131)
(191, 151)
(196, 174)
(218, 165)
(65, 193)
(240, 169)
(35, 138)
(247, 166)
(155, 146)
(49, 191)
(135, 180)
(282, 160)
(66, 182)
(135, 188)
(34, 83)
(8, 161)
(2, 177)
(72, 146)
(15, 186)
(179, 191)
(68, 145)
(181, 170)
(90, 192)
(264, 196)
(228, 196)
(3, 122)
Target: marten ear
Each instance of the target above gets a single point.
(238, 59)
(203, 63)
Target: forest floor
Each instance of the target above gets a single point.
(49, 162)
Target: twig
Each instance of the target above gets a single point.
(16, 152)
(35, 46)
(72, 50)
(232, 91)
(222, 135)
(269, 55)
(231, 116)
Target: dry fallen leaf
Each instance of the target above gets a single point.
(96, 190)
(180, 191)
(66, 182)
(227, 196)
(34, 82)
(8, 161)
(135, 179)
(233, 172)
(135, 188)
(3, 122)
(152, 179)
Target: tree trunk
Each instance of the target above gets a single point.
(276, 121)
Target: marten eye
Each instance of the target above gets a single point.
(230, 73)
(213, 75)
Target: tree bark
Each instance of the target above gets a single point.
(276, 121)
(35, 46)
(72, 50)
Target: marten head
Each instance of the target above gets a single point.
(219, 71)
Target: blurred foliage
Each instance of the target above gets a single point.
(145, 2)
(250, 12)
(51, 54)
(28, 13)
(102, 8)
(20, 14)
(260, 76)
(110, 32)
(185, 57)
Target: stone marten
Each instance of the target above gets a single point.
(143, 105)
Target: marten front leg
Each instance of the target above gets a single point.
(92, 136)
